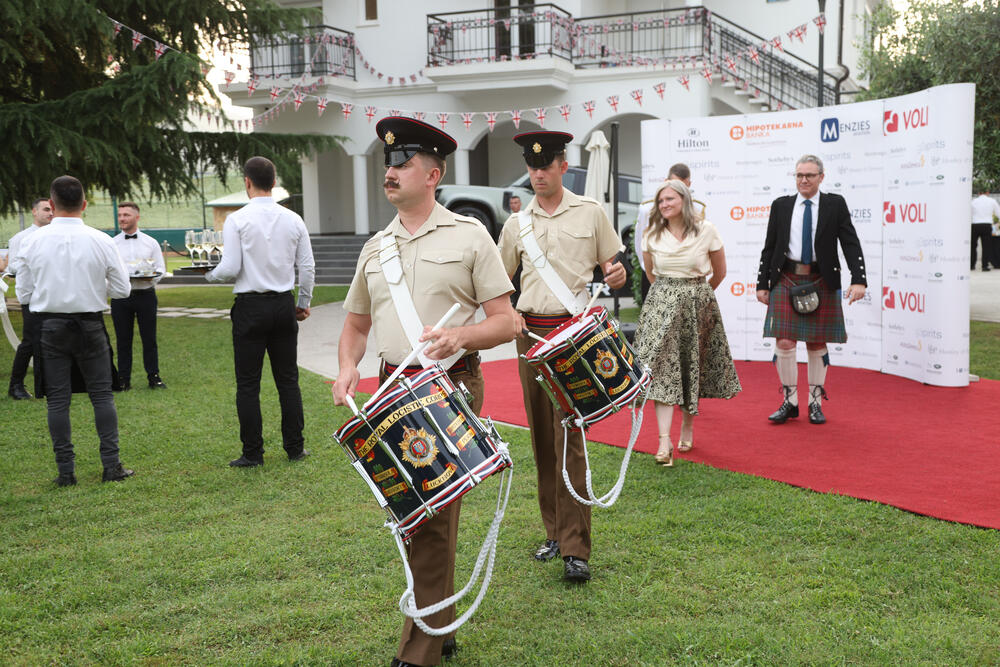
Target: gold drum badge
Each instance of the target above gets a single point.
(418, 447)
(607, 364)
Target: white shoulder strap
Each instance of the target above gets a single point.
(392, 269)
(573, 304)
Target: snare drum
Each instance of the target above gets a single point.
(588, 368)
(420, 447)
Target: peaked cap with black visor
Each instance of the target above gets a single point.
(541, 148)
(405, 137)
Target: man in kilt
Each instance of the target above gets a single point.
(800, 248)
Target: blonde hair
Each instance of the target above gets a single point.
(657, 224)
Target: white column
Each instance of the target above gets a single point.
(360, 194)
(461, 166)
(310, 194)
(573, 155)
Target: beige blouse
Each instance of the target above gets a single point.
(683, 259)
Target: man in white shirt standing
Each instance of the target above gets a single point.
(264, 244)
(984, 210)
(41, 211)
(66, 271)
(141, 254)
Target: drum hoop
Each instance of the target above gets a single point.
(589, 326)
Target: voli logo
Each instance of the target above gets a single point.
(736, 213)
(912, 118)
(903, 212)
(736, 132)
(913, 302)
(829, 129)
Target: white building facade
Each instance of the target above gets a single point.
(496, 68)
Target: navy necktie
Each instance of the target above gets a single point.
(807, 233)
(131, 236)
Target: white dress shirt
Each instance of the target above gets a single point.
(143, 246)
(68, 267)
(15, 241)
(984, 208)
(263, 243)
(795, 231)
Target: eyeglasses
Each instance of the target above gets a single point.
(807, 177)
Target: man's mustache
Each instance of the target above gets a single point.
(390, 184)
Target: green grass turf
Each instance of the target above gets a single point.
(191, 562)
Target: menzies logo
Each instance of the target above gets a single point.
(829, 129)
(903, 212)
(913, 302)
(912, 118)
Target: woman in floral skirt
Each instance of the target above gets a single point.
(680, 335)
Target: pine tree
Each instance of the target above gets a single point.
(75, 98)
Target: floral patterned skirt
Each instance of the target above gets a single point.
(682, 340)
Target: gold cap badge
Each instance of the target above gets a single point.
(390, 138)
(537, 147)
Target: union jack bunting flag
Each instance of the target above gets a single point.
(346, 109)
(491, 119)
(515, 116)
(320, 106)
(613, 102)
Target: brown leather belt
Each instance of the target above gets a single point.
(800, 269)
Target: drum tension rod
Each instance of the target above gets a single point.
(445, 440)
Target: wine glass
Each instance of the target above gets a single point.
(189, 243)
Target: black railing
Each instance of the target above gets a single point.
(499, 34)
(318, 50)
(663, 37)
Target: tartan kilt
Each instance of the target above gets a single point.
(823, 325)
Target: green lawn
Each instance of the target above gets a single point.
(191, 562)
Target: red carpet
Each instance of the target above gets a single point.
(929, 450)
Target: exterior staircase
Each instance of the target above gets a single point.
(336, 257)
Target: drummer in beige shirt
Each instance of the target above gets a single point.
(575, 235)
(446, 259)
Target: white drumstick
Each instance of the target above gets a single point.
(534, 335)
(413, 355)
(593, 298)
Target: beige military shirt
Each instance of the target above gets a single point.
(575, 239)
(450, 259)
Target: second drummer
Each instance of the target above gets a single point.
(574, 236)
(443, 259)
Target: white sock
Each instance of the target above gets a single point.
(788, 373)
(818, 361)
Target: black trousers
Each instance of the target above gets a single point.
(139, 305)
(983, 233)
(26, 348)
(80, 339)
(266, 323)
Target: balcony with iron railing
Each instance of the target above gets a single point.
(319, 50)
(662, 37)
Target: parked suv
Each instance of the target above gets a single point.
(489, 204)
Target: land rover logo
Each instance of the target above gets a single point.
(940, 177)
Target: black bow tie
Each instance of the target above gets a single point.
(131, 236)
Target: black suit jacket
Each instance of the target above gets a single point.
(834, 224)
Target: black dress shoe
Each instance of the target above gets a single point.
(576, 569)
(19, 393)
(125, 385)
(116, 473)
(547, 551)
(65, 479)
(449, 648)
(396, 662)
(816, 414)
(784, 413)
(156, 383)
(298, 457)
(244, 462)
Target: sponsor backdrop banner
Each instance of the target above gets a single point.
(903, 164)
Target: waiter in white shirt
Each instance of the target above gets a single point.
(984, 210)
(142, 255)
(41, 211)
(66, 271)
(264, 244)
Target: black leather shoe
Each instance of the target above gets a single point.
(784, 413)
(396, 662)
(19, 393)
(116, 473)
(449, 648)
(156, 383)
(65, 479)
(125, 385)
(298, 457)
(244, 462)
(816, 414)
(576, 569)
(547, 551)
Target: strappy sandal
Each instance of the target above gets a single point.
(685, 445)
(665, 454)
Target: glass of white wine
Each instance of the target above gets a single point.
(189, 244)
